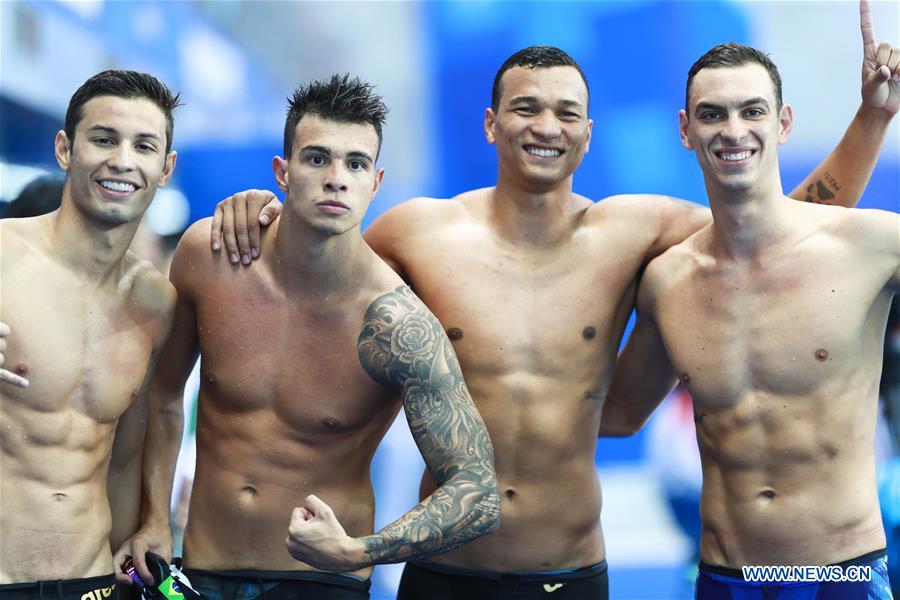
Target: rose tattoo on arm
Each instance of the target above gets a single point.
(403, 345)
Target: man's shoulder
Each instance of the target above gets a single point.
(398, 328)
(422, 213)
(197, 237)
(21, 233)
(151, 293)
(194, 256)
(678, 263)
(866, 227)
(642, 210)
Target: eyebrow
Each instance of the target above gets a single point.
(114, 131)
(744, 104)
(327, 152)
(534, 100)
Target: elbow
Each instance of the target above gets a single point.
(489, 507)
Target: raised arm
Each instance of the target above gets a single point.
(165, 421)
(402, 344)
(843, 176)
(642, 378)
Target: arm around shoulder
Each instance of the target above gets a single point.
(394, 231)
(643, 375)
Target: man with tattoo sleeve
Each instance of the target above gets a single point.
(773, 317)
(87, 319)
(291, 417)
(535, 284)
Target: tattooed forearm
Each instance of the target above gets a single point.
(402, 344)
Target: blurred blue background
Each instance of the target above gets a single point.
(434, 62)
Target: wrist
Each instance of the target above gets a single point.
(874, 117)
(356, 554)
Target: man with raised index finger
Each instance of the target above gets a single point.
(534, 284)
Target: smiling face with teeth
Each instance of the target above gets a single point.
(735, 127)
(117, 160)
(540, 128)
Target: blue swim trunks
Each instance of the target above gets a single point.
(721, 583)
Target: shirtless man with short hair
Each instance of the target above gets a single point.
(299, 409)
(87, 321)
(773, 317)
(534, 285)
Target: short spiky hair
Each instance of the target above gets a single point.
(733, 55)
(340, 98)
(534, 57)
(124, 84)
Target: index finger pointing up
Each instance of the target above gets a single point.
(865, 23)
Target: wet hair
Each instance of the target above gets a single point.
(340, 98)
(733, 55)
(123, 84)
(534, 57)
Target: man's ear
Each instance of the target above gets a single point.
(62, 149)
(682, 129)
(587, 144)
(379, 175)
(489, 120)
(168, 168)
(786, 122)
(280, 168)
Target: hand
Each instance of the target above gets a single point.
(8, 376)
(154, 539)
(880, 69)
(235, 220)
(316, 537)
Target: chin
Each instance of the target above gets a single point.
(112, 216)
(331, 228)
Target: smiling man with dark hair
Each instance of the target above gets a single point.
(535, 284)
(87, 321)
(773, 317)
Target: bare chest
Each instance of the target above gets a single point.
(786, 330)
(505, 309)
(80, 348)
(296, 363)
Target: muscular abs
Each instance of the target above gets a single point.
(783, 362)
(286, 410)
(86, 352)
(536, 341)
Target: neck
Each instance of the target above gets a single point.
(747, 221)
(302, 256)
(92, 249)
(541, 217)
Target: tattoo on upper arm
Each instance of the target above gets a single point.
(824, 194)
(403, 344)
